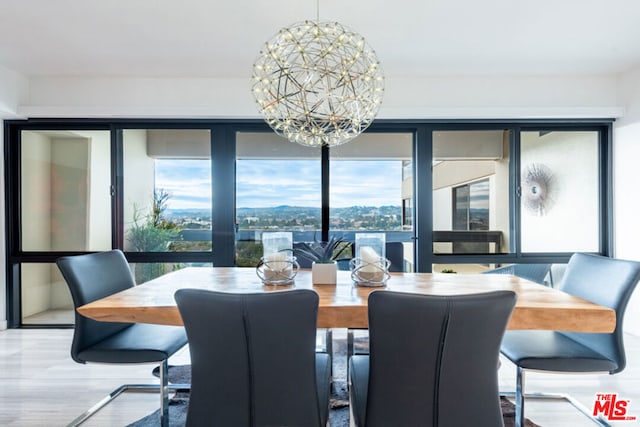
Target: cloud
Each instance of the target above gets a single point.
(269, 183)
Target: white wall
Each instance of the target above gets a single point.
(3, 240)
(626, 156)
(428, 97)
(13, 92)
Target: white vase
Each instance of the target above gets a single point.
(324, 273)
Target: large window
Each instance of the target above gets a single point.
(450, 196)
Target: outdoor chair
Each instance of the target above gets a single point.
(94, 276)
(253, 359)
(601, 280)
(432, 362)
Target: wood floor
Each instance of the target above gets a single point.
(41, 386)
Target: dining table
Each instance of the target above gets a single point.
(344, 304)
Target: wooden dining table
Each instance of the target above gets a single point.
(344, 305)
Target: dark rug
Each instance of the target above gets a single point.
(339, 403)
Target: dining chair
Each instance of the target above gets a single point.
(94, 276)
(601, 280)
(537, 273)
(253, 358)
(394, 252)
(432, 362)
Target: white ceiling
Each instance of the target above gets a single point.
(213, 38)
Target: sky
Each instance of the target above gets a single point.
(269, 183)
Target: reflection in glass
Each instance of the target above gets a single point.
(45, 297)
(65, 190)
(144, 272)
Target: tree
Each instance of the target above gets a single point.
(152, 233)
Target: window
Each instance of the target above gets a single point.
(167, 190)
(471, 178)
(471, 206)
(166, 194)
(371, 183)
(277, 189)
(456, 196)
(65, 193)
(65, 206)
(560, 197)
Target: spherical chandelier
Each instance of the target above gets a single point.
(318, 83)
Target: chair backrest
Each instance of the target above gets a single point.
(535, 272)
(252, 357)
(605, 281)
(434, 359)
(89, 278)
(556, 271)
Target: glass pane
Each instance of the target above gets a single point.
(143, 272)
(167, 190)
(461, 268)
(277, 189)
(45, 296)
(371, 190)
(65, 193)
(560, 196)
(471, 192)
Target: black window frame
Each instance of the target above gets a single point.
(223, 133)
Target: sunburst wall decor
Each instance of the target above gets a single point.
(537, 189)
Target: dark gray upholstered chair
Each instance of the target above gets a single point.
(394, 252)
(253, 359)
(94, 276)
(535, 272)
(432, 360)
(605, 281)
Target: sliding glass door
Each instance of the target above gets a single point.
(65, 200)
(452, 197)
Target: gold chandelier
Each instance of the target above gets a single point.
(318, 83)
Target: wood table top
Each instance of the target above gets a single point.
(345, 305)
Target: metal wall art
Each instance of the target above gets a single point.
(537, 189)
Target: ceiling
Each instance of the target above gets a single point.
(211, 39)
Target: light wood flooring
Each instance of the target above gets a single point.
(41, 386)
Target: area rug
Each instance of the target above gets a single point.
(339, 403)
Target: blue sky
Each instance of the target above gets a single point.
(268, 183)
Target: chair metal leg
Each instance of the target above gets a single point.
(520, 396)
(136, 388)
(164, 393)
(328, 343)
